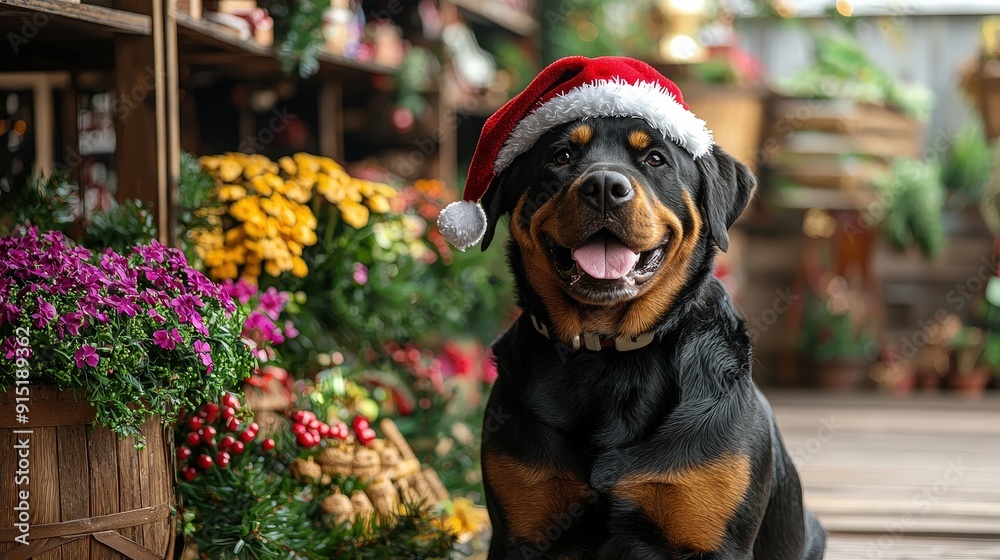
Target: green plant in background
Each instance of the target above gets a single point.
(51, 203)
(125, 225)
(597, 28)
(197, 204)
(843, 70)
(298, 29)
(911, 201)
(837, 325)
(965, 170)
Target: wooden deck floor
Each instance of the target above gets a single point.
(916, 478)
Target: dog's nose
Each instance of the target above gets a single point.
(606, 190)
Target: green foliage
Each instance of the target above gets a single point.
(912, 199)
(51, 203)
(197, 203)
(843, 70)
(966, 167)
(255, 509)
(299, 32)
(597, 28)
(829, 336)
(120, 228)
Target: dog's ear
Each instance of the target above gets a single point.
(500, 198)
(726, 188)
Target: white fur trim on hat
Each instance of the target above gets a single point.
(610, 98)
(462, 223)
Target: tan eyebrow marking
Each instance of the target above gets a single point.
(581, 134)
(639, 140)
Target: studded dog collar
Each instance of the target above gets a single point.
(595, 342)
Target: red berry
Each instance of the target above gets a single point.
(360, 423)
(212, 408)
(324, 430)
(237, 448)
(299, 429)
(228, 412)
(209, 432)
(204, 462)
(189, 473)
(230, 399)
(253, 427)
(268, 444)
(202, 412)
(222, 459)
(340, 431)
(247, 436)
(313, 424)
(232, 424)
(226, 443)
(184, 453)
(193, 439)
(196, 422)
(298, 416)
(306, 439)
(366, 436)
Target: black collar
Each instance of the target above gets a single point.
(595, 342)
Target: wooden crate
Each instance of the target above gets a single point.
(836, 144)
(989, 97)
(92, 495)
(735, 116)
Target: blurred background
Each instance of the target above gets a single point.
(866, 267)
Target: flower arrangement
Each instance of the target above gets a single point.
(267, 222)
(140, 334)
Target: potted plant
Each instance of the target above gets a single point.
(971, 371)
(838, 337)
(120, 342)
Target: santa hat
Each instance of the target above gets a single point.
(569, 89)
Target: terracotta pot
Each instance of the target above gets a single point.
(841, 374)
(969, 383)
(928, 380)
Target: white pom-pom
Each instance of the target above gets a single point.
(462, 223)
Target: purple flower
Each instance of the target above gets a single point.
(360, 274)
(198, 325)
(290, 330)
(123, 305)
(11, 349)
(46, 312)
(152, 312)
(168, 340)
(241, 290)
(201, 346)
(154, 252)
(86, 355)
(9, 312)
(72, 322)
(272, 302)
(206, 360)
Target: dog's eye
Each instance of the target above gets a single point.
(655, 159)
(562, 158)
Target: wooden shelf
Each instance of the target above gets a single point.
(79, 17)
(496, 13)
(211, 44)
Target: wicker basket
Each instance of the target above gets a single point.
(92, 495)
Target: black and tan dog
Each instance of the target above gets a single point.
(625, 423)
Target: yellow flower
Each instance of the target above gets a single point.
(288, 165)
(229, 170)
(299, 267)
(298, 194)
(294, 247)
(304, 235)
(246, 209)
(210, 163)
(379, 204)
(307, 164)
(354, 214)
(231, 192)
(272, 268)
(235, 235)
(227, 271)
(261, 185)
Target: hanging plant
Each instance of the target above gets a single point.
(299, 30)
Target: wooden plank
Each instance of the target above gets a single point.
(118, 21)
(156, 476)
(853, 547)
(45, 483)
(172, 115)
(140, 155)
(130, 481)
(331, 120)
(8, 490)
(49, 407)
(102, 449)
(501, 15)
(74, 487)
(131, 550)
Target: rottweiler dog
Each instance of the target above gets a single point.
(624, 423)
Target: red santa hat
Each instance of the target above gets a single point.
(569, 89)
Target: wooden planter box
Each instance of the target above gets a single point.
(988, 79)
(735, 115)
(91, 494)
(836, 144)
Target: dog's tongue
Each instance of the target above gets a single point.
(605, 259)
